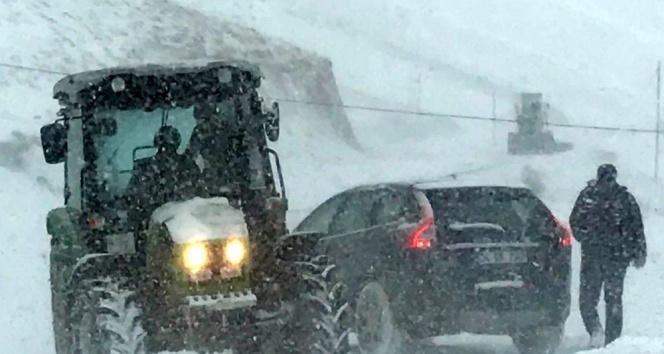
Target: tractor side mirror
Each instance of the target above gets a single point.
(272, 122)
(54, 142)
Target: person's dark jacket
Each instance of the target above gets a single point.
(165, 177)
(606, 220)
(212, 140)
(221, 147)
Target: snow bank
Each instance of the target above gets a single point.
(201, 219)
(82, 36)
(25, 324)
(631, 345)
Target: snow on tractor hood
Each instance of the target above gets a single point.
(201, 219)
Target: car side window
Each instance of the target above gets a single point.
(353, 215)
(391, 206)
(319, 220)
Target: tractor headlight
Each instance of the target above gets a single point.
(195, 257)
(235, 251)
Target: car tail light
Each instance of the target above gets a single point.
(422, 236)
(567, 237)
(425, 232)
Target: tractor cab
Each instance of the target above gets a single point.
(112, 120)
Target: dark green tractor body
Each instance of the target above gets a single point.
(199, 271)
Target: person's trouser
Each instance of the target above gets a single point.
(594, 274)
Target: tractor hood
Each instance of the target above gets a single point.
(201, 219)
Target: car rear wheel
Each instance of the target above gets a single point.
(374, 321)
(539, 340)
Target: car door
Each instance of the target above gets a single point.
(365, 235)
(318, 221)
(345, 234)
(392, 210)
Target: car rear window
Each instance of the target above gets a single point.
(510, 208)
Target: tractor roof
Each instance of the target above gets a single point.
(74, 83)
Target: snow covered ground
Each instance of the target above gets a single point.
(632, 345)
(594, 61)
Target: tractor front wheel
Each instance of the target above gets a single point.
(106, 318)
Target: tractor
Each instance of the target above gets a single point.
(531, 137)
(173, 231)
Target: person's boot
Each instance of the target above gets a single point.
(597, 338)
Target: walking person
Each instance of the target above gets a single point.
(606, 221)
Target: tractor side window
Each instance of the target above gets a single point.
(319, 220)
(74, 164)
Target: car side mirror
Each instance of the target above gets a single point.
(272, 122)
(294, 246)
(54, 142)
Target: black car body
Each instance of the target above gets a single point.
(480, 259)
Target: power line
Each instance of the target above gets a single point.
(28, 68)
(460, 116)
(599, 127)
(394, 110)
(388, 110)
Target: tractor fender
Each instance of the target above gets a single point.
(97, 265)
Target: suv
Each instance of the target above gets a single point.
(172, 236)
(418, 261)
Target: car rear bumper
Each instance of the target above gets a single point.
(491, 322)
(445, 302)
(459, 313)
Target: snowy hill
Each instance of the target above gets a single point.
(595, 61)
(78, 36)
(450, 57)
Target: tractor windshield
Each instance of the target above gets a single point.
(208, 134)
(133, 140)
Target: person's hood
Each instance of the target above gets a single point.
(595, 184)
